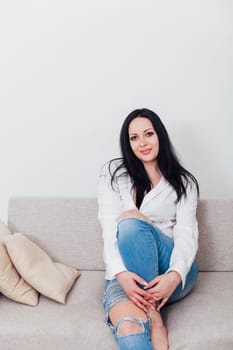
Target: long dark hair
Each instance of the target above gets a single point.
(168, 163)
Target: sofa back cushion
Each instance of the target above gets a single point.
(68, 230)
(215, 221)
(65, 228)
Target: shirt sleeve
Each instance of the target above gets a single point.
(185, 234)
(109, 208)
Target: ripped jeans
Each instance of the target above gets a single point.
(146, 251)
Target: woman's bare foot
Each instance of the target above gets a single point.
(159, 335)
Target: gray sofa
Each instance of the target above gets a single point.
(67, 229)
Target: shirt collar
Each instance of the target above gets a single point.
(153, 192)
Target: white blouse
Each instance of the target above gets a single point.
(176, 220)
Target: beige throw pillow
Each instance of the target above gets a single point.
(11, 284)
(53, 280)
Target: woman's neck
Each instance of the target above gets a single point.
(153, 172)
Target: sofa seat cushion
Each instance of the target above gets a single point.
(203, 320)
(76, 325)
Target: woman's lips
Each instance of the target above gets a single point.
(146, 151)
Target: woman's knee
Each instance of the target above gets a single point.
(129, 229)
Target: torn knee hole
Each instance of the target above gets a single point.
(127, 327)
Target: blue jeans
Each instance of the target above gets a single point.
(146, 251)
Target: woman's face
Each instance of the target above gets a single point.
(143, 140)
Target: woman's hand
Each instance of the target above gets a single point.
(132, 214)
(163, 286)
(128, 281)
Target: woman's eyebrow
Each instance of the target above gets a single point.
(134, 133)
(148, 129)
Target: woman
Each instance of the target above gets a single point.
(147, 210)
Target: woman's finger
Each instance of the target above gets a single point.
(153, 282)
(163, 302)
(138, 304)
(143, 293)
(140, 280)
(144, 302)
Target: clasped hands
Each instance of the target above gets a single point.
(156, 292)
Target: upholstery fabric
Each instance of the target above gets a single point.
(203, 320)
(215, 219)
(4, 232)
(77, 325)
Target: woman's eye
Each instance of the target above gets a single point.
(133, 138)
(150, 133)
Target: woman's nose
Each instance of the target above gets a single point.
(142, 142)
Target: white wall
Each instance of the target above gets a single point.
(70, 72)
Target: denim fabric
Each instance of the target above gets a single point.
(113, 295)
(146, 251)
